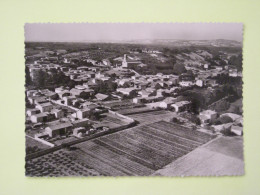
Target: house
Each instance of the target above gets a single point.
(40, 100)
(233, 116)
(237, 130)
(222, 127)
(83, 113)
(64, 93)
(38, 118)
(89, 105)
(101, 97)
(153, 105)
(199, 83)
(233, 73)
(58, 113)
(77, 132)
(186, 83)
(37, 99)
(45, 107)
(181, 106)
(30, 92)
(32, 112)
(81, 122)
(59, 129)
(147, 93)
(186, 80)
(68, 100)
(167, 102)
(206, 66)
(131, 91)
(207, 115)
(138, 100)
(52, 95)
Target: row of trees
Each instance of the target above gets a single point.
(43, 79)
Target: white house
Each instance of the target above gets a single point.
(207, 115)
(181, 106)
(37, 118)
(237, 130)
(167, 102)
(83, 113)
(32, 112)
(58, 113)
(186, 83)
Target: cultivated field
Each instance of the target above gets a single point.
(150, 117)
(59, 163)
(139, 151)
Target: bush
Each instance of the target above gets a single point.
(225, 119)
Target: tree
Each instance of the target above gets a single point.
(179, 69)
(236, 61)
(225, 119)
(28, 80)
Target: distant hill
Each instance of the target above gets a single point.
(185, 43)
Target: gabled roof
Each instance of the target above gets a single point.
(101, 96)
(45, 104)
(60, 126)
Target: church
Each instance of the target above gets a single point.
(127, 63)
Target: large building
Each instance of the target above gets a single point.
(129, 63)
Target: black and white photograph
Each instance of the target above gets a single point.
(133, 99)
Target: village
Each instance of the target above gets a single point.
(106, 96)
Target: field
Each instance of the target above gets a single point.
(154, 116)
(112, 121)
(141, 150)
(30, 142)
(59, 163)
(221, 157)
(134, 110)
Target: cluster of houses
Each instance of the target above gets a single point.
(234, 124)
(154, 91)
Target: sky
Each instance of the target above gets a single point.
(94, 32)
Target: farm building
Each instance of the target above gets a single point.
(58, 130)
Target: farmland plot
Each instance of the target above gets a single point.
(154, 116)
(140, 150)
